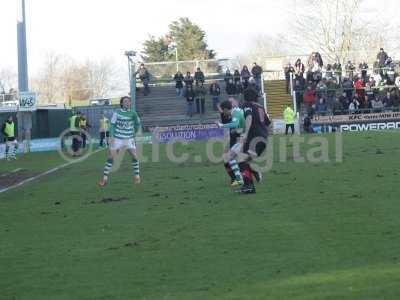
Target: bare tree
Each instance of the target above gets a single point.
(8, 80)
(263, 47)
(329, 26)
(49, 81)
(63, 79)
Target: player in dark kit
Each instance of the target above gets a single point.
(254, 139)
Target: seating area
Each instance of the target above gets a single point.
(162, 107)
(328, 90)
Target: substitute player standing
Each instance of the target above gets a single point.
(254, 139)
(125, 123)
(8, 130)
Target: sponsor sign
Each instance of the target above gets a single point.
(27, 101)
(356, 118)
(369, 126)
(187, 133)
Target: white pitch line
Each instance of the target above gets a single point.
(19, 184)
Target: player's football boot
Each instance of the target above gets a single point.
(258, 176)
(237, 183)
(247, 189)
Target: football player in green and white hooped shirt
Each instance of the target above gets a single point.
(236, 127)
(125, 123)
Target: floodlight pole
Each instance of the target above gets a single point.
(24, 118)
(132, 79)
(22, 49)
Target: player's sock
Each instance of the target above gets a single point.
(246, 173)
(8, 154)
(136, 167)
(108, 167)
(235, 169)
(14, 152)
(229, 171)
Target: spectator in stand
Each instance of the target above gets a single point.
(230, 88)
(369, 89)
(381, 58)
(332, 88)
(238, 87)
(344, 100)
(144, 76)
(354, 106)
(377, 105)
(179, 83)
(321, 107)
(256, 71)
(337, 68)
(396, 99)
(348, 88)
(337, 107)
(236, 76)
(289, 71)
(329, 72)
(388, 101)
(322, 89)
(199, 77)
(307, 125)
(350, 68)
(200, 93)
(188, 80)
(367, 104)
(245, 74)
(359, 87)
(364, 71)
(215, 92)
(309, 98)
(299, 68)
(299, 86)
(228, 76)
(190, 95)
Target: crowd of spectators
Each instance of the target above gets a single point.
(328, 89)
(194, 90)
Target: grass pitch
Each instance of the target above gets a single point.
(312, 231)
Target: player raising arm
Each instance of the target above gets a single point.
(125, 123)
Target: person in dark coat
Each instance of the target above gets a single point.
(215, 92)
(199, 76)
(179, 83)
(245, 74)
(188, 80)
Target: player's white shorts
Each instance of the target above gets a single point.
(118, 144)
(13, 143)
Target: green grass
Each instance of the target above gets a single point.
(313, 231)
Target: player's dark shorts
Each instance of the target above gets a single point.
(258, 146)
(9, 139)
(104, 134)
(233, 140)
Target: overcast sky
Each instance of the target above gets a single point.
(98, 29)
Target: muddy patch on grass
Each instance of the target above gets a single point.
(112, 200)
(8, 179)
